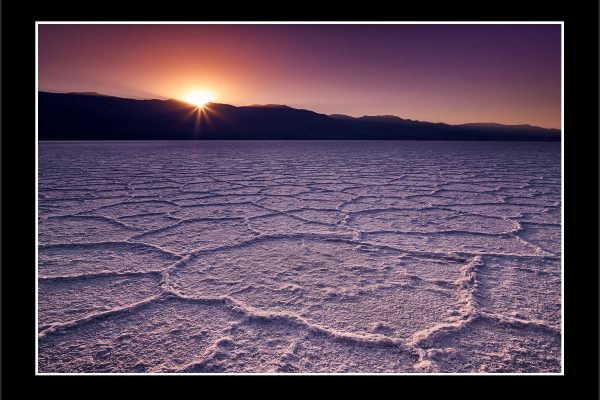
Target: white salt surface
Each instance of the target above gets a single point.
(299, 257)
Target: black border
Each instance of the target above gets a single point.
(581, 194)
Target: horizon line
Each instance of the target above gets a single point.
(94, 93)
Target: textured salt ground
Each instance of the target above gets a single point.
(354, 257)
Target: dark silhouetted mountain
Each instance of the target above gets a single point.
(89, 116)
(392, 119)
(89, 94)
(340, 116)
(270, 106)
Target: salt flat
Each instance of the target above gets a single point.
(230, 256)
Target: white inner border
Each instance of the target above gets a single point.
(562, 180)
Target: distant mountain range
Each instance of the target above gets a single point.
(92, 116)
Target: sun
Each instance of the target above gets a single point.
(199, 97)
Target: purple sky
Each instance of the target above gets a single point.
(440, 73)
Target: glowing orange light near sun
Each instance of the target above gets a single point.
(199, 97)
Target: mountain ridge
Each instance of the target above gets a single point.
(94, 116)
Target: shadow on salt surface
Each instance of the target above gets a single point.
(546, 216)
(428, 221)
(285, 190)
(73, 205)
(447, 243)
(220, 211)
(214, 199)
(154, 194)
(60, 300)
(332, 185)
(540, 200)
(162, 334)
(240, 191)
(453, 198)
(135, 208)
(82, 229)
(333, 283)
(468, 187)
(364, 203)
(282, 203)
(319, 216)
(191, 235)
(505, 210)
(276, 346)
(521, 287)
(394, 310)
(249, 347)
(209, 186)
(320, 196)
(94, 258)
(486, 346)
(547, 237)
(388, 190)
(148, 221)
(73, 193)
(172, 335)
(320, 354)
(281, 224)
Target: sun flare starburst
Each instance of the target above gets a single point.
(199, 97)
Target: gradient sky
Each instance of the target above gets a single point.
(441, 73)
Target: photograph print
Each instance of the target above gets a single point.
(299, 198)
